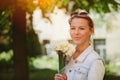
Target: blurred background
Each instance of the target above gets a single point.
(27, 28)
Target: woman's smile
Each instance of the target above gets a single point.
(76, 38)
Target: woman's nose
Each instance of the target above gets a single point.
(76, 31)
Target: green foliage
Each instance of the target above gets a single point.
(6, 55)
(112, 69)
(44, 62)
(47, 6)
(42, 74)
(97, 5)
(5, 31)
(104, 5)
(62, 3)
(6, 62)
(33, 44)
(81, 4)
(100, 6)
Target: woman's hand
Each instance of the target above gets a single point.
(60, 77)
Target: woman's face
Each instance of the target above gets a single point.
(80, 31)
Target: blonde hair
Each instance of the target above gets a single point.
(83, 15)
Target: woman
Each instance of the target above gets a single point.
(85, 63)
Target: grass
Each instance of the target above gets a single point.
(36, 74)
(43, 74)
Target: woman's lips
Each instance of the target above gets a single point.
(76, 38)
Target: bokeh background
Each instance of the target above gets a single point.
(27, 28)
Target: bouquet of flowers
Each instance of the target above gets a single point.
(64, 49)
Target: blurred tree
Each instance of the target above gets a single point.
(5, 31)
(19, 44)
(100, 6)
(18, 19)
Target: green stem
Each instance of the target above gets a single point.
(61, 59)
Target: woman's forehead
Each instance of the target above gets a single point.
(79, 20)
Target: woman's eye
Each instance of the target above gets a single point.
(82, 28)
(72, 28)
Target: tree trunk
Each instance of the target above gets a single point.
(19, 44)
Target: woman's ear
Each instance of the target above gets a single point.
(92, 31)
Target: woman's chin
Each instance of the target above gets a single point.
(76, 42)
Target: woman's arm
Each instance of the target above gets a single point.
(96, 71)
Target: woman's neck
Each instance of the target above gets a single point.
(79, 50)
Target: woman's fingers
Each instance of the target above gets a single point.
(60, 77)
